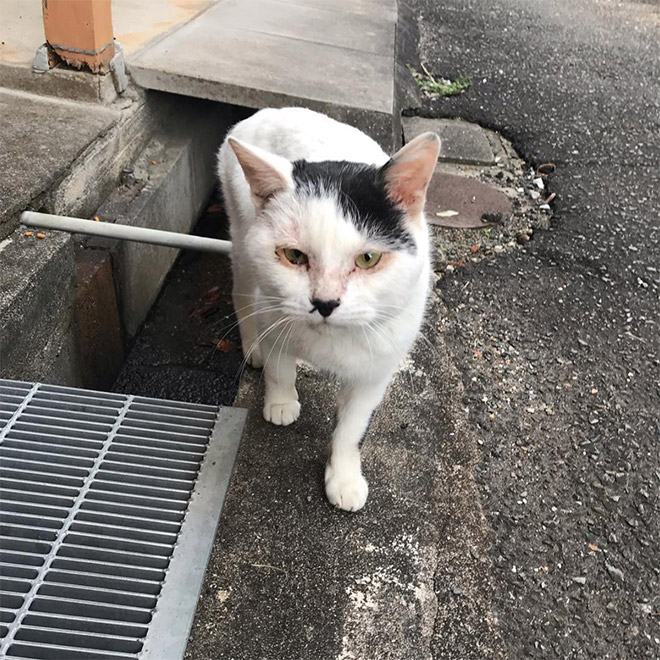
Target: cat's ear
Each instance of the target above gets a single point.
(266, 173)
(408, 172)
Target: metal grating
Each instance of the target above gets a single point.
(108, 509)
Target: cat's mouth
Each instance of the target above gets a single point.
(321, 323)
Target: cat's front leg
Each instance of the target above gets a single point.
(281, 405)
(345, 486)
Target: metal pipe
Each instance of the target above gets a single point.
(124, 232)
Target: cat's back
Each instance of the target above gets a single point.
(298, 133)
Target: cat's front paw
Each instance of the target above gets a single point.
(282, 414)
(347, 490)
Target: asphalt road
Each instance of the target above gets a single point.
(558, 344)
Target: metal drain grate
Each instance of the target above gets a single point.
(108, 509)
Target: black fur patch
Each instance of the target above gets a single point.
(361, 195)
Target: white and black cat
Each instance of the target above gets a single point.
(331, 265)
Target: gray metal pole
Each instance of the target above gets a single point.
(124, 232)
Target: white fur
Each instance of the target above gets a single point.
(362, 342)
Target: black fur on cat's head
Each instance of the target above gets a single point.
(360, 190)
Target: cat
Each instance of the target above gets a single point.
(331, 265)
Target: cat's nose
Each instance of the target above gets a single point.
(324, 307)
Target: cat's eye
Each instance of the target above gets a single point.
(368, 260)
(296, 257)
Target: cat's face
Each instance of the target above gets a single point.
(336, 243)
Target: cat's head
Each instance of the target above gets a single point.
(339, 243)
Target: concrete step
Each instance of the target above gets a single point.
(335, 56)
(41, 139)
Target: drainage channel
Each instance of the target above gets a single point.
(189, 346)
(108, 508)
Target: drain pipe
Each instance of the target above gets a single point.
(125, 232)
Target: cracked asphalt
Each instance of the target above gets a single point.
(558, 344)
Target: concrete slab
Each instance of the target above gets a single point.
(462, 142)
(364, 31)
(40, 139)
(137, 22)
(269, 53)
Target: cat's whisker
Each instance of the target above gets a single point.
(264, 310)
(256, 342)
(384, 333)
(260, 296)
(238, 322)
(371, 353)
(284, 345)
(284, 328)
(421, 335)
(264, 333)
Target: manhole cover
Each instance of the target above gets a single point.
(108, 509)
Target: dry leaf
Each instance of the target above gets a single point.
(204, 309)
(225, 345)
(212, 294)
(593, 547)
